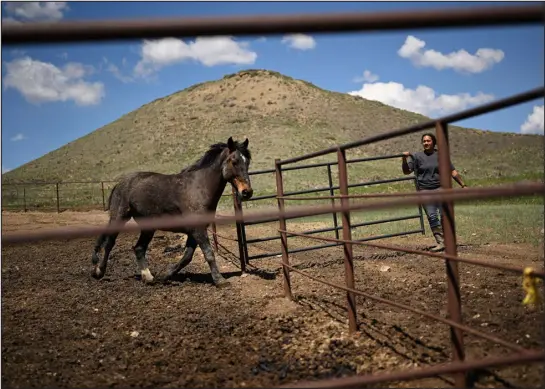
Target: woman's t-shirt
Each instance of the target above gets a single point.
(426, 168)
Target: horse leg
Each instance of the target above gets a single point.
(98, 246)
(100, 269)
(204, 243)
(108, 240)
(186, 259)
(140, 251)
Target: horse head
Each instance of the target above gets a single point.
(235, 167)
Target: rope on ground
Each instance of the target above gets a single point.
(222, 236)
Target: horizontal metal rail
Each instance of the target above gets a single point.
(335, 187)
(112, 30)
(328, 229)
(298, 250)
(357, 382)
(324, 164)
(537, 273)
(480, 110)
(405, 307)
(202, 220)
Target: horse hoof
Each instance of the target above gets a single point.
(146, 276)
(97, 274)
(223, 283)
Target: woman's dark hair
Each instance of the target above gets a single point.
(433, 139)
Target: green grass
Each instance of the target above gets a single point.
(475, 224)
(501, 220)
(89, 195)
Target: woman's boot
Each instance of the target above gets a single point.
(438, 234)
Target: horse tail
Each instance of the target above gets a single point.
(111, 195)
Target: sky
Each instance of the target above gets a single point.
(57, 93)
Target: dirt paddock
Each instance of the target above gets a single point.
(62, 328)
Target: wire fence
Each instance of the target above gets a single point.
(108, 30)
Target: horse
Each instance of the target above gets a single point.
(195, 189)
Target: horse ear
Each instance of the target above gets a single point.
(231, 144)
(245, 143)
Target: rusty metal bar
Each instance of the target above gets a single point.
(449, 322)
(480, 110)
(347, 236)
(357, 382)
(339, 243)
(477, 262)
(459, 326)
(453, 278)
(326, 189)
(240, 240)
(332, 193)
(283, 236)
(202, 219)
(111, 30)
(327, 229)
(420, 208)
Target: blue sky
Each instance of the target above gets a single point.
(54, 94)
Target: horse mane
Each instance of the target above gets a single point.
(210, 157)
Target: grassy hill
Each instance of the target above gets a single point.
(282, 117)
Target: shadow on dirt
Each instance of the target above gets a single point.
(397, 339)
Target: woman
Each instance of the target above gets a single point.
(425, 164)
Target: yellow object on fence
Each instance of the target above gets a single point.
(529, 284)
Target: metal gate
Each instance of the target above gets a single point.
(243, 242)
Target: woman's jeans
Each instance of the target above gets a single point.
(434, 212)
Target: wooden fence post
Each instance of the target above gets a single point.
(58, 198)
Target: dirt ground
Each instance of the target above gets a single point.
(62, 328)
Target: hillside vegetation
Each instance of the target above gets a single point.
(282, 117)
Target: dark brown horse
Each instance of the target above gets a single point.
(196, 189)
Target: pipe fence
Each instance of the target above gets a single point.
(241, 227)
(87, 31)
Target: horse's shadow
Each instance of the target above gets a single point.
(201, 278)
(206, 278)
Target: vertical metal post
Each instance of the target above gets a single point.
(103, 196)
(24, 199)
(449, 231)
(58, 199)
(283, 235)
(239, 232)
(420, 210)
(332, 193)
(243, 234)
(347, 235)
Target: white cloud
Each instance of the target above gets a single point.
(18, 137)
(299, 41)
(5, 170)
(460, 61)
(423, 99)
(209, 51)
(368, 76)
(41, 82)
(534, 122)
(114, 69)
(36, 10)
